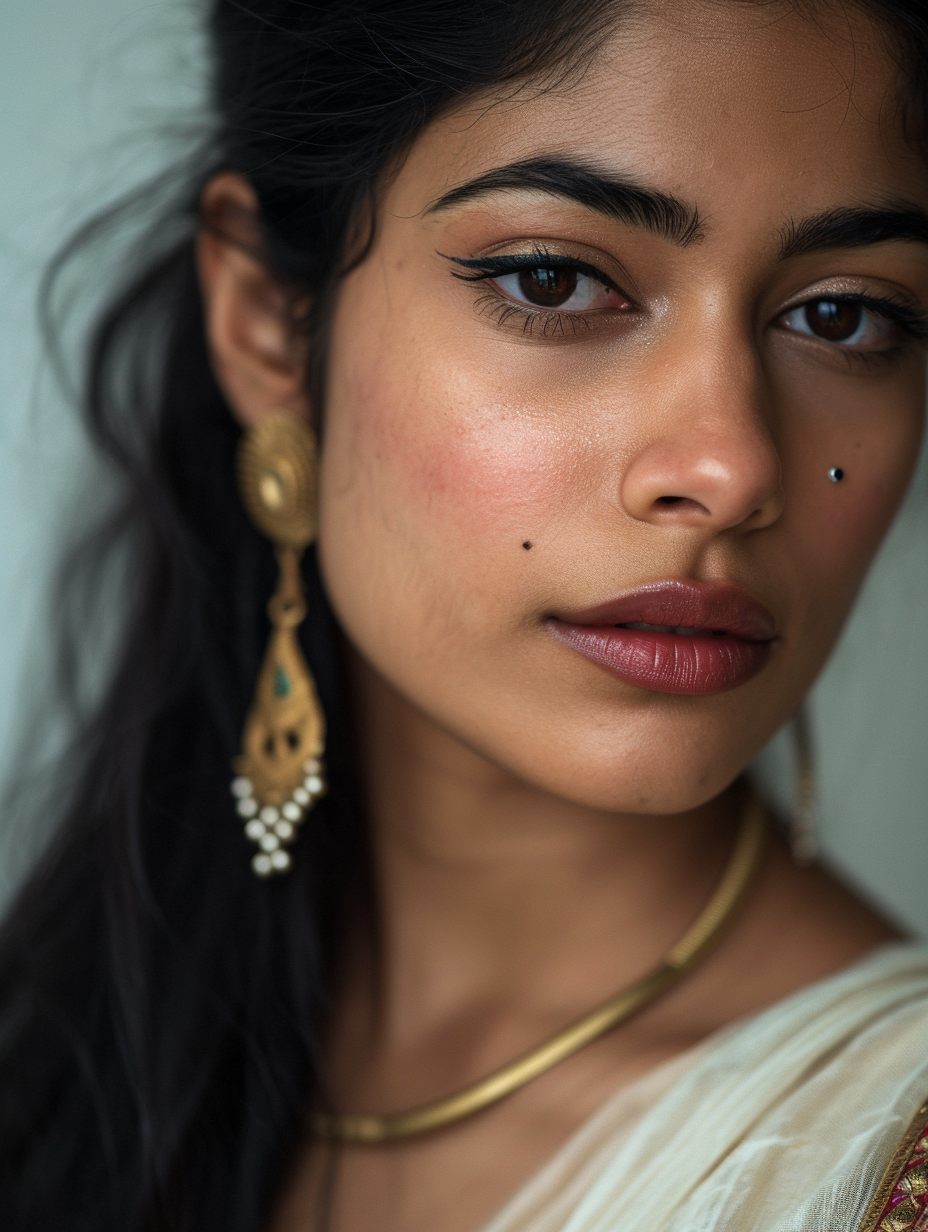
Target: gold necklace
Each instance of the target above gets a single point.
(692, 946)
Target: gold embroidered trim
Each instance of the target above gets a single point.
(900, 1202)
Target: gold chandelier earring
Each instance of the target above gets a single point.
(280, 772)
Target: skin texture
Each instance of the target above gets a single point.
(542, 830)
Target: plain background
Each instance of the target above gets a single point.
(93, 97)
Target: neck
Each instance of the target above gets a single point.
(493, 892)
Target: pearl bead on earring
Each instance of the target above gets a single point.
(836, 474)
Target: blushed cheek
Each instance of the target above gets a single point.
(432, 480)
(446, 456)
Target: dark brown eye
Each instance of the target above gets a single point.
(834, 320)
(548, 286)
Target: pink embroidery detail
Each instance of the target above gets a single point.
(907, 1207)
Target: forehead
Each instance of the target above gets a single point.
(736, 106)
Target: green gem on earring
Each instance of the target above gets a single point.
(281, 683)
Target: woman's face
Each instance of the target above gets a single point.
(609, 344)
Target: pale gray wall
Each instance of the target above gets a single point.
(86, 87)
(95, 96)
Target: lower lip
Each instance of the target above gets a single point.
(667, 662)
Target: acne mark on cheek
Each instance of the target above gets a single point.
(527, 545)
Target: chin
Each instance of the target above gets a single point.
(642, 770)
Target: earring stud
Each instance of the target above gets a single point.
(836, 474)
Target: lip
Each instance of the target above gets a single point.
(727, 640)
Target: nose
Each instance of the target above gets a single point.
(707, 457)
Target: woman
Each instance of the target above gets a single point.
(610, 320)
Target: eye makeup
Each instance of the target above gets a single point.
(543, 291)
(549, 293)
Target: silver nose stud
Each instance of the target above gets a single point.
(836, 474)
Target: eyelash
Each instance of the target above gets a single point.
(496, 267)
(899, 311)
(550, 322)
(913, 322)
(910, 320)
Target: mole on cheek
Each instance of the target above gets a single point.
(526, 545)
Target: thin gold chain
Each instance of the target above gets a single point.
(692, 946)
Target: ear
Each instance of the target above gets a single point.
(258, 355)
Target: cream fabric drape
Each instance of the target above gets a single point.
(782, 1123)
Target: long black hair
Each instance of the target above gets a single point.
(160, 1007)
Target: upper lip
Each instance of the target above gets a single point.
(716, 607)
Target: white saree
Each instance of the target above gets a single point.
(785, 1122)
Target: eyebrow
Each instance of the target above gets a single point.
(854, 227)
(614, 196)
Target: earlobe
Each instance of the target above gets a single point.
(258, 354)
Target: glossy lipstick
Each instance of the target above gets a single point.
(691, 638)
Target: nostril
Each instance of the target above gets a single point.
(681, 505)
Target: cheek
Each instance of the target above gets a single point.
(857, 522)
(435, 472)
(456, 455)
(838, 527)
(877, 472)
